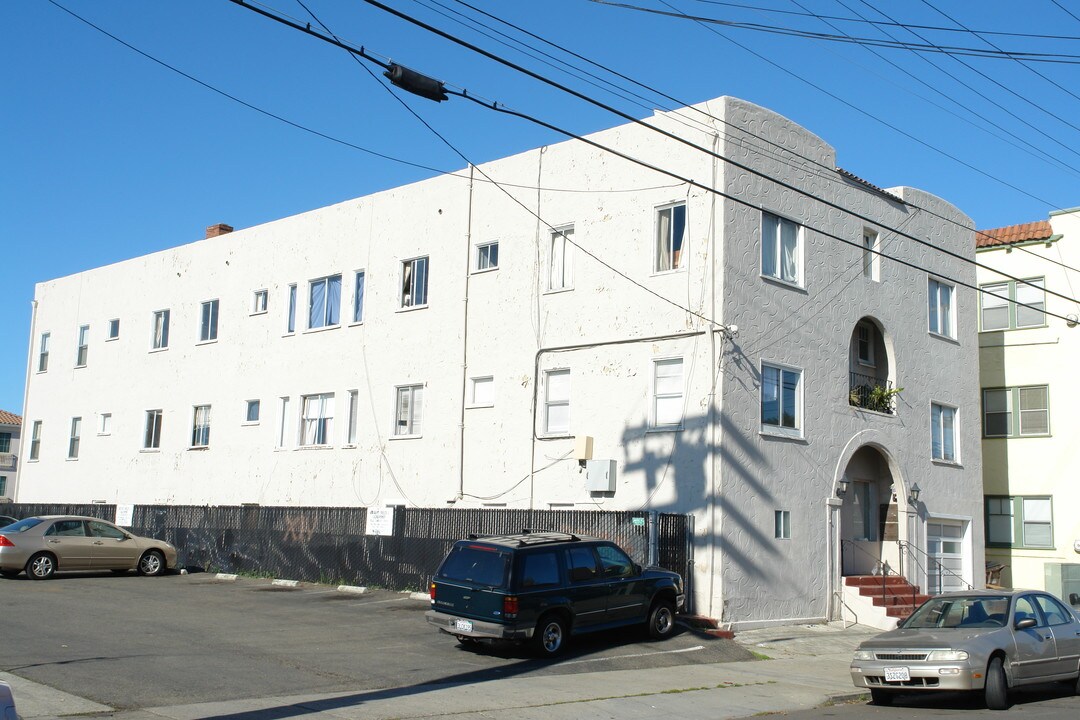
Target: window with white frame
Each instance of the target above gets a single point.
(114, 329)
(1012, 305)
(414, 282)
(258, 306)
(1020, 522)
(152, 436)
(200, 427)
(410, 410)
(943, 432)
(283, 426)
(358, 296)
(254, 407)
(5, 443)
(560, 260)
(3, 485)
(160, 339)
(482, 391)
(940, 308)
(209, 321)
(84, 346)
(35, 440)
(75, 438)
(317, 419)
(670, 237)
(782, 524)
(487, 257)
(1001, 420)
(871, 259)
(105, 424)
(290, 316)
(354, 406)
(864, 344)
(781, 398)
(667, 400)
(781, 248)
(557, 402)
(43, 353)
(324, 302)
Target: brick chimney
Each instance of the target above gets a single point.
(219, 229)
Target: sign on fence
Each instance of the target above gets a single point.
(380, 521)
(124, 515)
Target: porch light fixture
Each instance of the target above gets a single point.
(913, 494)
(841, 487)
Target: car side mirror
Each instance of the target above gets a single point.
(637, 569)
(1026, 623)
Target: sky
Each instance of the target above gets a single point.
(107, 154)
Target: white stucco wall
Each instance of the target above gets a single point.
(618, 317)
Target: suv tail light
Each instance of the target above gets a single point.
(431, 592)
(510, 607)
(4, 542)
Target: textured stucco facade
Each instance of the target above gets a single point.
(617, 320)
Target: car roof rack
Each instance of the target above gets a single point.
(529, 536)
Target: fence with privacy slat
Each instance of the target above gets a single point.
(331, 544)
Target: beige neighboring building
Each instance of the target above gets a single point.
(10, 424)
(1030, 420)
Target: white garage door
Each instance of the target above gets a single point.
(945, 546)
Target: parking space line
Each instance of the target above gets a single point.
(376, 602)
(635, 655)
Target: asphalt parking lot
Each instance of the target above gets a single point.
(130, 642)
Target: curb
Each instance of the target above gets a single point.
(419, 596)
(285, 583)
(225, 576)
(354, 589)
(848, 697)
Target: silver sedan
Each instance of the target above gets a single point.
(986, 641)
(45, 545)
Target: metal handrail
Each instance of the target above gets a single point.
(861, 393)
(904, 545)
(840, 599)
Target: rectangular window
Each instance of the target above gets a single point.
(200, 427)
(942, 318)
(1019, 522)
(252, 415)
(782, 525)
(487, 257)
(1012, 305)
(105, 424)
(35, 441)
(999, 521)
(84, 340)
(1000, 418)
(160, 339)
(410, 406)
(3, 485)
(482, 391)
(318, 419)
(358, 297)
(73, 441)
(259, 304)
(561, 259)
(324, 302)
(354, 406)
(943, 432)
(114, 329)
(152, 436)
(5, 442)
(414, 283)
(864, 338)
(781, 248)
(670, 235)
(557, 402)
(208, 325)
(781, 397)
(283, 428)
(290, 318)
(667, 401)
(871, 260)
(43, 353)
(1038, 522)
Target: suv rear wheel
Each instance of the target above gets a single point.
(550, 635)
(661, 620)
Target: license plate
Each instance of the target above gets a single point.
(466, 626)
(894, 674)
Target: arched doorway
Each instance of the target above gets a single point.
(869, 515)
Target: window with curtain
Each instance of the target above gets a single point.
(317, 419)
(1018, 521)
(487, 256)
(208, 324)
(670, 236)
(414, 283)
(358, 296)
(152, 436)
(667, 405)
(84, 340)
(940, 308)
(557, 402)
(1012, 305)
(1002, 419)
(781, 248)
(943, 432)
(324, 306)
(76, 436)
(160, 339)
(560, 259)
(781, 399)
(410, 410)
(200, 426)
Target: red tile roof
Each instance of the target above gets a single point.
(1013, 234)
(7, 418)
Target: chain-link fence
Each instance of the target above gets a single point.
(332, 544)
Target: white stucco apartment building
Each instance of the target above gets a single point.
(452, 341)
(1027, 364)
(10, 431)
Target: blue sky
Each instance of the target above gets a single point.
(108, 155)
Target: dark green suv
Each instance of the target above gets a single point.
(545, 586)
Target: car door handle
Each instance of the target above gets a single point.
(55, 542)
(98, 542)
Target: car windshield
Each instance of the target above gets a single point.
(960, 611)
(478, 564)
(22, 525)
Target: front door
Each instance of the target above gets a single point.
(945, 546)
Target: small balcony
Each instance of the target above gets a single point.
(871, 393)
(8, 461)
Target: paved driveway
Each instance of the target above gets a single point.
(130, 642)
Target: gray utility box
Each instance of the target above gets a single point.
(600, 476)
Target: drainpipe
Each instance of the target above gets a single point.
(23, 434)
(465, 341)
(714, 372)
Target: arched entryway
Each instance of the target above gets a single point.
(869, 516)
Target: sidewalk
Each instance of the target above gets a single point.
(808, 666)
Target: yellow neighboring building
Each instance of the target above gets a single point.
(1028, 364)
